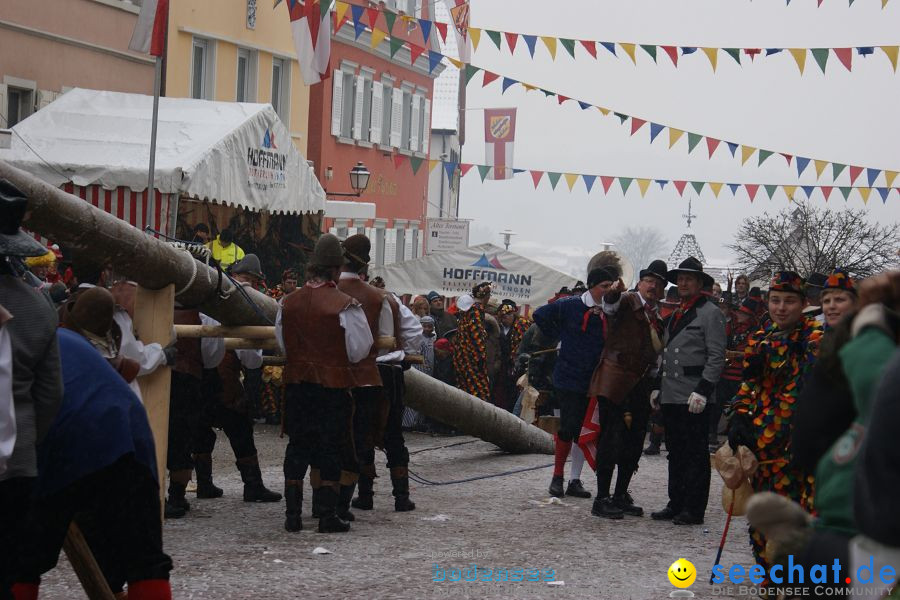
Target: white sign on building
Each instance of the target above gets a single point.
(446, 235)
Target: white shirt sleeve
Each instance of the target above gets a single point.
(148, 356)
(279, 333)
(211, 349)
(357, 335)
(7, 406)
(250, 358)
(386, 319)
(410, 335)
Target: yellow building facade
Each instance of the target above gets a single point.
(237, 51)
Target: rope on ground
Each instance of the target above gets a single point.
(421, 480)
(445, 446)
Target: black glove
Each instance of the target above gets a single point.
(754, 367)
(521, 365)
(171, 354)
(740, 432)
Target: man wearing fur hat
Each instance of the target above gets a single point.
(580, 325)
(622, 383)
(776, 363)
(692, 362)
(323, 333)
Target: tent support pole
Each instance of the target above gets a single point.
(157, 79)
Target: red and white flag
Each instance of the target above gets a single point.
(311, 27)
(149, 36)
(590, 433)
(459, 15)
(499, 135)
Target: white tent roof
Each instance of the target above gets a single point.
(226, 152)
(455, 273)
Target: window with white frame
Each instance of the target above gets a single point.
(202, 69)
(18, 104)
(388, 111)
(362, 105)
(247, 61)
(376, 116)
(426, 125)
(343, 100)
(281, 86)
(406, 123)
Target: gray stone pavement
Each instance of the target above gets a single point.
(227, 549)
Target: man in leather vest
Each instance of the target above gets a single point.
(323, 333)
(622, 383)
(378, 395)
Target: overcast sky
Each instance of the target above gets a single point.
(850, 118)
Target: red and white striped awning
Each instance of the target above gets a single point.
(130, 206)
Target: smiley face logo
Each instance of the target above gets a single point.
(682, 573)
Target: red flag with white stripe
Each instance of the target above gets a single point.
(499, 135)
(590, 433)
(149, 35)
(311, 28)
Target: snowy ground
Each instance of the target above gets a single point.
(226, 549)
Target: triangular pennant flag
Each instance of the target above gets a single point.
(554, 178)
(674, 136)
(456, 63)
(340, 10)
(550, 42)
(650, 49)
(625, 182)
(655, 130)
(390, 18)
(883, 192)
(732, 147)
(662, 183)
(688, 49)
(865, 50)
(693, 140)
(891, 52)
(468, 71)
(372, 13)
(629, 50)
(377, 37)
(489, 76)
(799, 55)
(560, 98)
(611, 46)
(789, 191)
(536, 177)
(584, 105)
(603, 111)
(672, 51)
(415, 52)
(679, 185)
(711, 54)
(751, 190)
(643, 184)
(787, 157)
(808, 190)
(864, 194)
(837, 169)
(589, 181)
(506, 83)
(569, 45)
(770, 190)
(715, 187)
(752, 52)
(425, 26)
(698, 186)
(450, 167)
(571, 178)
(746, 153)
(889, 177)
(636, 124)
(397, 43)
(711, 145)
(802, 163)
(763, 155)
(734, 53)
(511, 39)
(590, 46)
(432, 164)
(464, 168)
(872, 175)
(528, 87)
(484, 170)
(434, 59)
(854, 173)
(622, 117)
(821, 56)
(442, 30)
(548, 93)
(415, 162)
(398, 160)
(845, 55)
(530, 41)
(356, 12)
(826, 191)
(607, 182)
(845, 191)
(771, 51)
(820, 167)
(734, 188)
(495, 37)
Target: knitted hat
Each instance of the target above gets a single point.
(432, 296)
(600, 275)
(840, 280)
(328, 252)
(426, 319)
(788, 281)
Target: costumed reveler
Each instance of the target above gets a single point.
(776, 363)
(512, 329)
(272, 395)
(470, 360)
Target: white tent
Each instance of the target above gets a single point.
(455, 273)
(229, 153)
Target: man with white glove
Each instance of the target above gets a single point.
(692, 361)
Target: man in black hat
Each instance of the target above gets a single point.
(622, 383)
(580, 324)
(37, 389)
(693, 359)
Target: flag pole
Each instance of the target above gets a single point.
(157, 80)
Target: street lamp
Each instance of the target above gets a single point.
(359, 180)
(507, 234)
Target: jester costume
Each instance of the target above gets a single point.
(776, 362)
(470, 353)
(520, 326)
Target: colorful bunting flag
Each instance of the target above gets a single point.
(711, 145)
(550, 42)
(607, 182)
(655, 130)
(554, 178)
(674, 136)
(643, 184)
(672, 51)
(679, 186)
(569, 45)
(536, 177)
(484, 170)
(591, 47)
(799, 55)
(530, 41)
(693, 140)
(511, 39)
(712, 55)
(746, 153)
(415, 162)
(625, 182)
(495, 37)
(650, 49)
(629, 50)
(716, 188)
(589, 181)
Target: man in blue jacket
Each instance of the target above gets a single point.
(580, 325)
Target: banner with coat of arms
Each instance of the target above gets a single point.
(499, 135)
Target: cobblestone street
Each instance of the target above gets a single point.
(228, 549)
